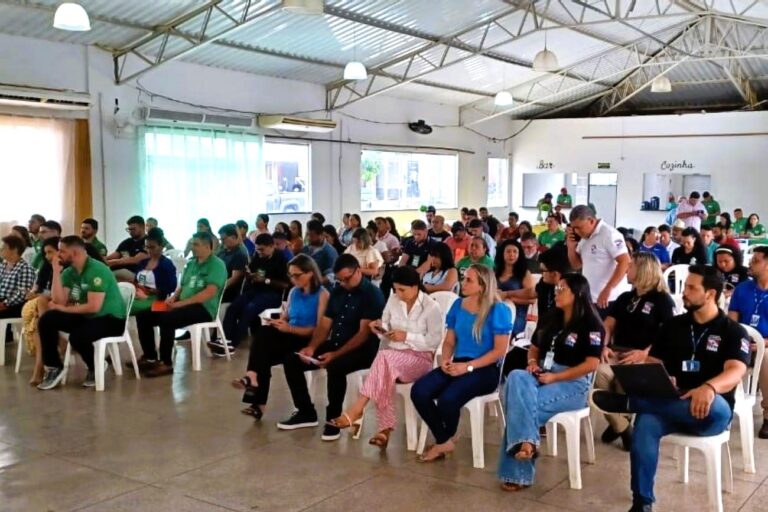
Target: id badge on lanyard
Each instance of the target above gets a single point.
(692, 365)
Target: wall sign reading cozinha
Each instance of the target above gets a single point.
(677, 164)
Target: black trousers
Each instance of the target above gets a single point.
(83, 331)
(269, 348)
(12, 311)
(168, 321)
(337, 370)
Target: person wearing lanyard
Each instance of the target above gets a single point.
(565, 350)
(749, 304)
(706, 354)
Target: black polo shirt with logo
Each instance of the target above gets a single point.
(639, 319)
(347, 308)
(716, 342)
(417, 252)
(735, 277)
(572, 344)
(130, 248)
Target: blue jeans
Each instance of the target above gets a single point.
(244, 311)
(527, 406)
(655, 419)
(438, 397)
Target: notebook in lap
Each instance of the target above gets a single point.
(645, 380)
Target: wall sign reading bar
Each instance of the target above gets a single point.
(545, 165)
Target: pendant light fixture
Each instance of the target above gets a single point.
(71, 16)
(545, 61)
(355, 70)
(661, 84)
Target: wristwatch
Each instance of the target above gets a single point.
(267, 281)
(470, 368)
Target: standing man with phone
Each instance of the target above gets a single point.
(342, 343)
(599, 251)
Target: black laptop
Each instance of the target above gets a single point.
(645, 380)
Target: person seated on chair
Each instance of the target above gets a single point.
(17, 278)
(88, 230)
(749, 305)
(85, 302)
(320, 250)
(235, 257)
(707, 354)
(478, 255)
(195, 301)
(728, 261)
(475, 228)
(515, 281)
(283, 336)
(152, 223)
(477, 337)
(650, 243)
(370, 259)
(442, 275)
(29, 252)
(48, 229)
(203, 226)
(156, 279)
(342, 343)
(242, 230)
(416, 249)
(459, 241)
(282, 244)
(265, 283)
(633, 322)
(691, 250)
(553, 265)
(412, 324)
(124, 262)
(565, 350)
(37, 304)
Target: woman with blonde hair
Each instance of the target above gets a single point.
(361, 248)
(632, 324)
(477, 337)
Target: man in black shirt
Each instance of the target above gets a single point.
(235, 257)
(416, 248)
(266, 279)
(706, 353)
(492, 222)
(124, 262)
(342, 343)
(552, 265)
(437, 232)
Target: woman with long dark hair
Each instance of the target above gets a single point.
(728, 261)
(332, 237)
(442, 275)
(566, 348)
(296, 237)
(691, 250)
(516, 283)
(393, 227)
(412, 325)
(753, 228)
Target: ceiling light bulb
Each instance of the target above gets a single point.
(70, 16)
(355, 70)
(661, 84)
(545, 61)
(503, 99)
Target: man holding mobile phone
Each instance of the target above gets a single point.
(342, 343)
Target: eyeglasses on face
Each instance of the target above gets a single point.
(295, 275)
(560, 288)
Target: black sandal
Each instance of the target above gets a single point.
(253, 411)
(242, 383)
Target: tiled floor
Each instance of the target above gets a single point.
(180, 444)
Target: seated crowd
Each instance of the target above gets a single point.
(361, 297)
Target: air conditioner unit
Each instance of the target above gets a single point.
(43, 98)
(172, 116)
(298, 124)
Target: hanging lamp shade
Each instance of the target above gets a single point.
(545, 61)
(503, 99)
(355, 70)
(661, 84)
(71, 16)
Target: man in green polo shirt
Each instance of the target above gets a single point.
(195, 301)
(85, 302)
(564, 199)
(552, 235)
(739, 222)
(48, 229)
(478, 253)
(88, 229)
(713, 208)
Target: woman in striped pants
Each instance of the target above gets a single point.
(412, 324)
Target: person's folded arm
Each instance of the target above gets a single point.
(93, 305)
(200, 297)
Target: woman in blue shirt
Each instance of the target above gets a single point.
(276, 338)
(477, 337)
(566, 348)
(650, 243)
(156, 276)
(516, 283)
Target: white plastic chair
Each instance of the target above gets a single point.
(445, 300)
(199, 333)
(679, 273)
(746, 397)
(15, 324)
(572, 421)
(178, 259)
(128, 292)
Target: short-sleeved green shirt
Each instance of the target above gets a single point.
(713, 209)
(758, 230)
(198, 275)
(466, 261)
(565, 200)
(96, 277)
(739, 225)
(548, 239)
(37, 261)
(99, 246)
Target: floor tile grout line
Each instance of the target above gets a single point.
(118, 495)
(343, 489)
(218, 505)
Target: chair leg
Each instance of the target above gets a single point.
(552, 439)
(422, 438)
(411, 424)
(129, 342)
(195, 346)
(572, 441)
(590, 439)
(99, 356)
(3, 329)
(713, 461)
(747, 431)
(477, 425)
(728, 469)
(206, 337)
(682, 463)
(220, 331)
(19, 353)
(67, 360)
(117, 364)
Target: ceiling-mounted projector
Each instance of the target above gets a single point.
(420, 127)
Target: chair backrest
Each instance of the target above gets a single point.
(456, 288)
(751, 377)
(445, 300)
(536, 278)
(128, 292)
(512, 310)
(178, 259)
(679, 273)
(679, 307)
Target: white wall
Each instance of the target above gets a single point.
(737, 164)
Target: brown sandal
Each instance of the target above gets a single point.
(381, 439)
(513, 487)
(354, 426)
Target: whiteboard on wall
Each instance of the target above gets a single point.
(535, 185)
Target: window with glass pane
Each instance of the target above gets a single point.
(406, 181)
(498, 182)
(287, 177)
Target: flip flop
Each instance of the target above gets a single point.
(255, 412)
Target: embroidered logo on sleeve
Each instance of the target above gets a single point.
(745, 347)
(647, 307)
(97, 281)
(570, 340)
(595, 339)
(618, 243)
(713, 343)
